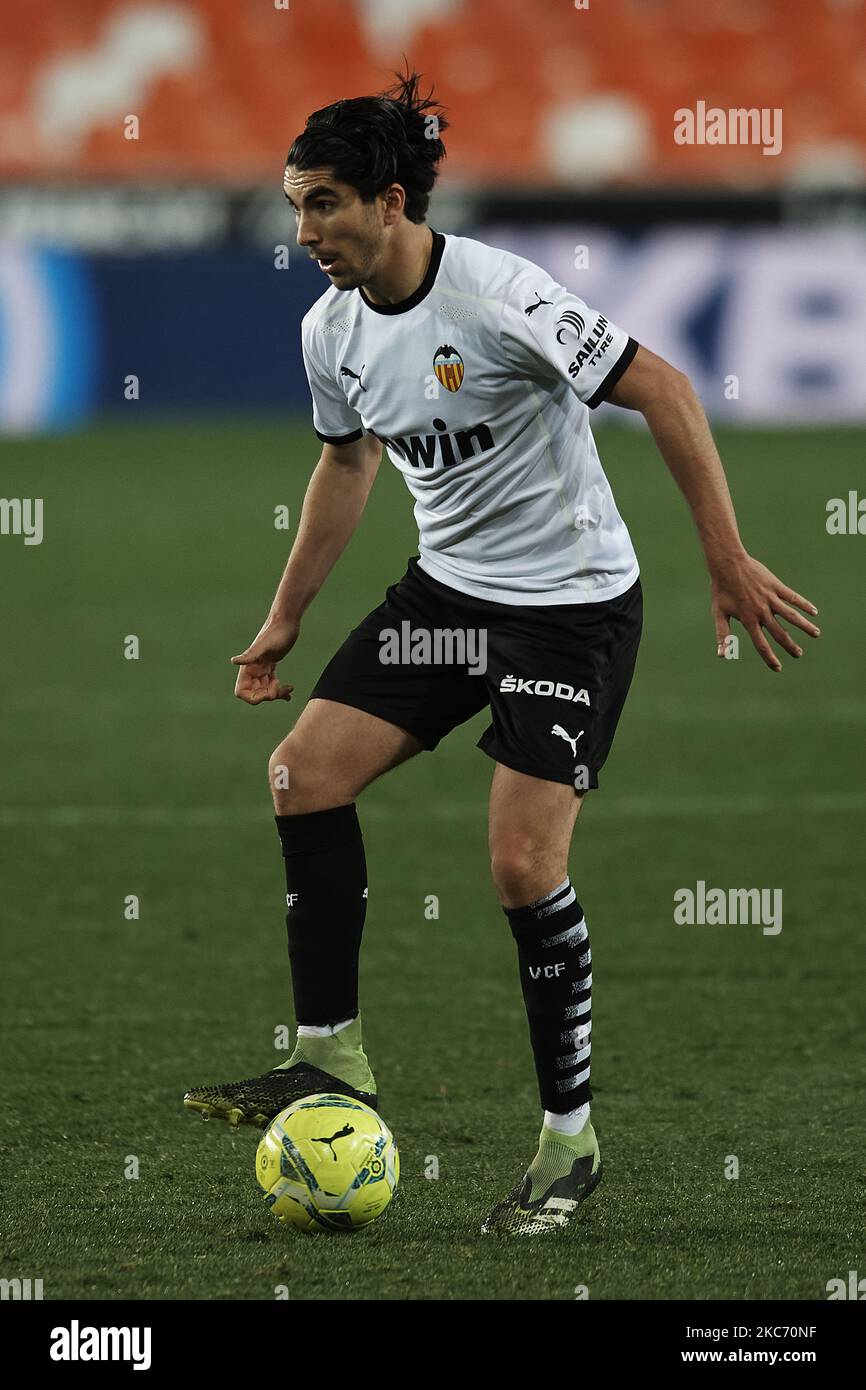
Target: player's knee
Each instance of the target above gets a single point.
(300, 780)
(297, 780)
(279, 776)
(517, 866)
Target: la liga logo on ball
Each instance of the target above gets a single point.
(449, 367)
(327, 1163)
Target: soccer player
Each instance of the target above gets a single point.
(477, 372)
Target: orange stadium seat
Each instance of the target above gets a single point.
(536, 93)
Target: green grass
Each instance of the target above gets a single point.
(146, 777)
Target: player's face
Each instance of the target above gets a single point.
(344, 234)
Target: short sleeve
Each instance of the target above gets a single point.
(334, 420)
(549, 333)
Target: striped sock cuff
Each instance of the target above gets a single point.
(560, 899)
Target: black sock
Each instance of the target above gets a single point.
(556, 978)
(326, 898)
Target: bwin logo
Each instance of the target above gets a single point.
(560, 690)
(421, 449)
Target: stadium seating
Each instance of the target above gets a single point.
(538, 93)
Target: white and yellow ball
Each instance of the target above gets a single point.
(327, 1163)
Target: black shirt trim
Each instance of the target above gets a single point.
(340, 438)
(423, 289)
(613, 376)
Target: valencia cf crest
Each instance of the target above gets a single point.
(448, 366)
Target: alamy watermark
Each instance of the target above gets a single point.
(736, 126)
(846, 516)
(720, 907)
(77, 1343)
(436, 646)
(854, 1288)
(22, 516)
(21, 1289)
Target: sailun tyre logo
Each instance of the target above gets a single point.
(571, 319)
(449, 368)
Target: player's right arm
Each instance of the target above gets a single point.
(333, 504)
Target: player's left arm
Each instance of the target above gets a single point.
(742, 587)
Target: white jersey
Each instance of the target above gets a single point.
(478, 386)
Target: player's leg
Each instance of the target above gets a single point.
(333, 753)
(364, 716)
(531, 822)
(531, 825)
(551, 733)
(315, 775)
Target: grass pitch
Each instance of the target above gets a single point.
(145, 777)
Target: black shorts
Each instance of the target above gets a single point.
(556, 676)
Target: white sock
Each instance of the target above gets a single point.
(570, 1123)
(327, 1030)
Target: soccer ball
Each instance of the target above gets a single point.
(327, 1163)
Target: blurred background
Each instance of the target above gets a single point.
(142, 145)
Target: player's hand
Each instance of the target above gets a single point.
(745, 589)
(257, 679)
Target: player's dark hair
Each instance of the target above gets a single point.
(372, 142)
